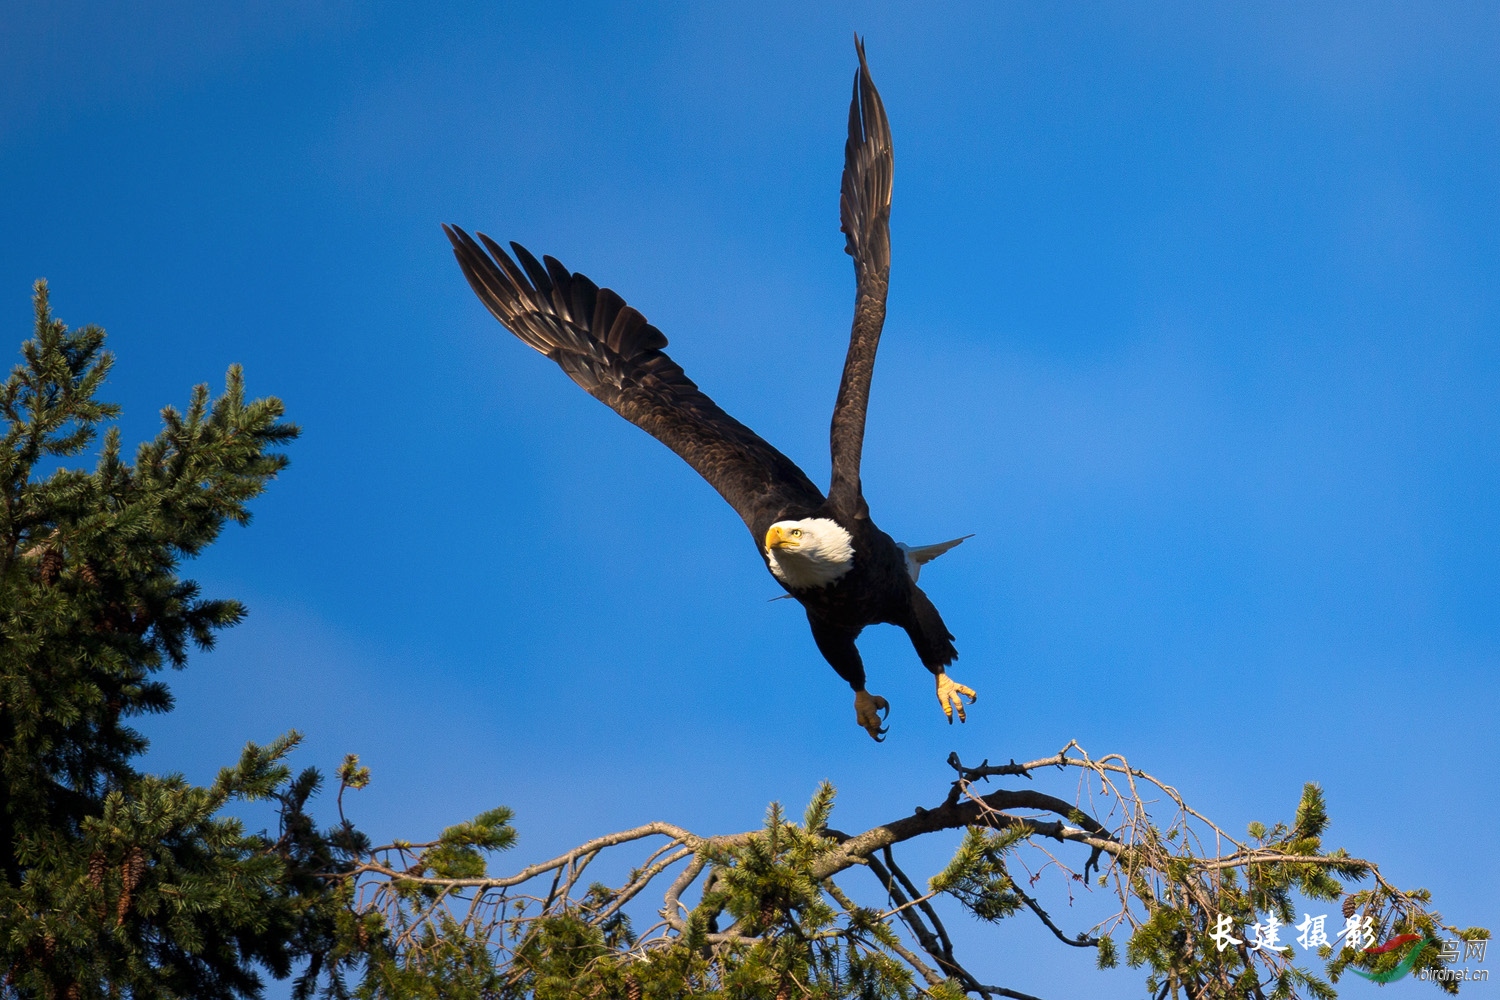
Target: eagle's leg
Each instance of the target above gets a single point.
(934, 644)
(951, 696)
(867, 709)
(837, 646)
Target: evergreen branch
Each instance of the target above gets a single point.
(369, 866)
(778, 885)
(907, 955)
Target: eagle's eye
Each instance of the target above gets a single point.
(796, 532)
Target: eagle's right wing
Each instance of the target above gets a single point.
(865, 213)
(616, 356)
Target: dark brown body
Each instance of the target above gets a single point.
(878, 590)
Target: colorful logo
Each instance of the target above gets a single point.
(1400, 971)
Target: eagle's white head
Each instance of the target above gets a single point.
(812, 552)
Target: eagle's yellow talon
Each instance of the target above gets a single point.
(867, 709)
(951, 696)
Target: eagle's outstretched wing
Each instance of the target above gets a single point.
(608, 348)
(865, 211)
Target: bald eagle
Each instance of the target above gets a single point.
(824, 550)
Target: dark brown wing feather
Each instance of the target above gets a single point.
(865, 211)
(608, 348)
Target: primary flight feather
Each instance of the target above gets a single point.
(825, 551)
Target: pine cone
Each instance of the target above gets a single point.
(51, 566)
(1348, 907)
(131, 870)
(98, 867)
(632, 988)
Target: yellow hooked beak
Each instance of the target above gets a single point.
(779, 538)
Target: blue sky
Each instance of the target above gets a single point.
(1193, 322)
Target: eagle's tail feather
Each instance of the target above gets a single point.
(918, 556)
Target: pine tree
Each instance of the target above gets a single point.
(114, 882)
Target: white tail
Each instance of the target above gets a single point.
(918, 556)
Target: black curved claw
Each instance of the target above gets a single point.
(877, 705)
